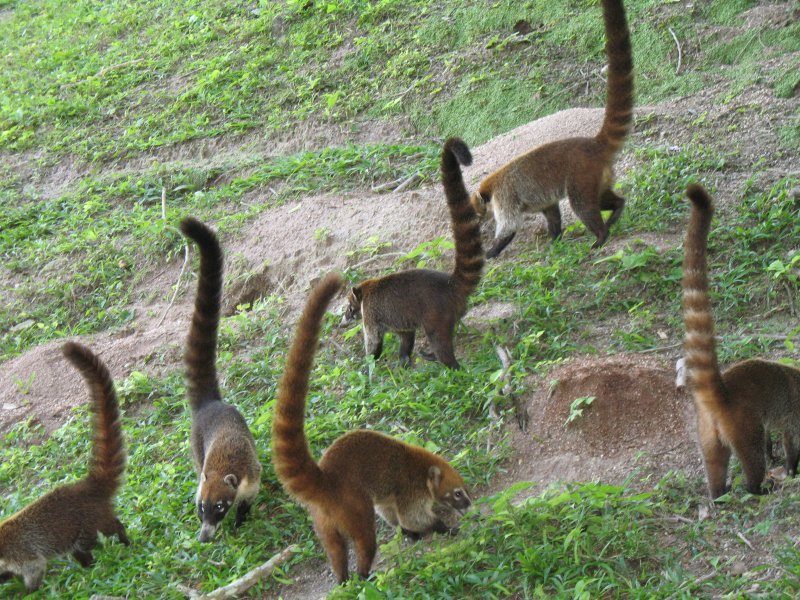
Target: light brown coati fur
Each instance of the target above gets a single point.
(362, 471)
(580, 168)
(223, 447)
(737, 409)
(421, 298)
(67, 519)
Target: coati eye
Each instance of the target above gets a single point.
(458, 494)
(220, 507)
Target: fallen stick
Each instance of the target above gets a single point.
(678, 44)
(245, 582)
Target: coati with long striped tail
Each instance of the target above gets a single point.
(580, 167)
(223, 447)
(737, 409)
(421, 298)
(66, 520)
(362, 471)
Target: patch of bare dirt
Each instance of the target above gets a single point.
(636, 420)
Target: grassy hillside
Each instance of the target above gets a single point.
(236, 107)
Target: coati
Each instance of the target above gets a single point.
(736, 409)
(223, 447)
(362, 471)
(580, 168)
(67, 519)
(432, 300)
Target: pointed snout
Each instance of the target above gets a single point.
(207, 532)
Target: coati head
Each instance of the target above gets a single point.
(482, 204)
(352, 311)
(448, 489)
(215, 496)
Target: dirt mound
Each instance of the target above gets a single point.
(284, 251)
(635, 419)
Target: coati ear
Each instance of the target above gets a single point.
(434, 478)
(480, 197)
(203, 477)
(231, 480)
(357, 293)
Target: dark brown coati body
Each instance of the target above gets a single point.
(736, 409)
(223, 447)
(362, 471)
(579, 168)
(67, 519)
(420, 298)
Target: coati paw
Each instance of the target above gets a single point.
(411, 535)
(241, 514)
(427, 355)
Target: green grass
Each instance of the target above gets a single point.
(133, 97)
(112, 229)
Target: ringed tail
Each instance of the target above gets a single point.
(619, 91)
(469, 256)
(294, 465)
(108, 453)
(701, 355)
(201, 342)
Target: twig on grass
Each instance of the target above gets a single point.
(185, 258)
(374, 258)
(245, 582)
(680, 53)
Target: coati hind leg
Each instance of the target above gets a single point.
(553, 216)
(335, 546)
(613, 202)
(716, 455)
(365, 546)
(406, 345)
(441, 339)
(791, 452)
(585, 202)
(750, 448)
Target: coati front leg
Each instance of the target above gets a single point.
(507, 223)
(406, 345)
(414, 536)
(499, 244)
(84, 557)
(113, 526)
(373, 340)
(33, 574)
(241, 512)
(439, 526)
